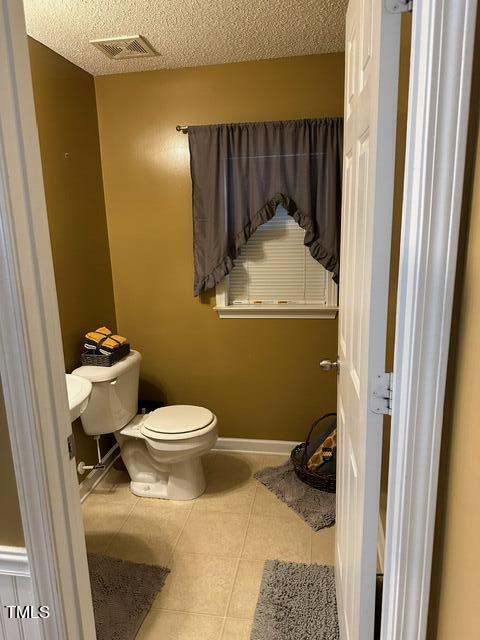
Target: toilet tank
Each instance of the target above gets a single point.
(114, 398)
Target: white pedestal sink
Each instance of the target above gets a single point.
(78, 390)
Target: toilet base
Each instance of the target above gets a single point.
(182, 481)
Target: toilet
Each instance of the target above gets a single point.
(162, 450)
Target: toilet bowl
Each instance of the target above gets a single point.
(162, 450)
(164, 461)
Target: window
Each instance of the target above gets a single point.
(275, 276)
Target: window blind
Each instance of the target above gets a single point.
(275, 267)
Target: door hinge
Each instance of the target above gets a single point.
(381, 400)
(71, 446)
(399, 6)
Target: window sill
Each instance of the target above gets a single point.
(297, 312)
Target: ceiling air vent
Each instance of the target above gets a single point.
(125, 47)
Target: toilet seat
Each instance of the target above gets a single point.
(177, 422)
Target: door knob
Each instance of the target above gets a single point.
(328, 365)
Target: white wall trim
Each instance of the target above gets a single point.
(16, 588)
(440, 79)
(90, 481)
(279, 311)
(14, 561)
(227, 445)
(246, 445)
(32, 368)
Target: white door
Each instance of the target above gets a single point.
(372, 58)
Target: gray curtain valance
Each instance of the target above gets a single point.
(242, 172)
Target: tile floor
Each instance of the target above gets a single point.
(215, 546)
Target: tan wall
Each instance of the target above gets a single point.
(455, 596)
(68, 130)
(11, 530)
(67, 123)
(261, 377)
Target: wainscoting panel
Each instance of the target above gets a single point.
(16, 590)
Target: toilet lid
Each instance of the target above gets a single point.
(179, 418)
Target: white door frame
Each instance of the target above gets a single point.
(32, 368)
(31, 359)
(440, 79)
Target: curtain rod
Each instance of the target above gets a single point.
(184, 127)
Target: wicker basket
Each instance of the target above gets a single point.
(100, 360)
(326, 480)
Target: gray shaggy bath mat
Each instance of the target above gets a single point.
(316, 507)
(296, 602)
(122, 594)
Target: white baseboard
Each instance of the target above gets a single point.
(246, 445)
(380, 545)
(16, 589)
(93, 478)
(238, 445)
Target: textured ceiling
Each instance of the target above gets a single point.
(187, 33)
